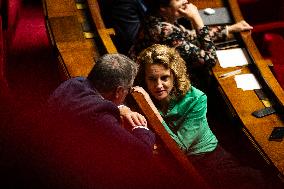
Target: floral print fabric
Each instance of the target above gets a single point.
(195, 47)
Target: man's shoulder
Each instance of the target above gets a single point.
(72, 81)
(78, 96)
(75, 80)
(67, 89)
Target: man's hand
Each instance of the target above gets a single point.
(132, 118)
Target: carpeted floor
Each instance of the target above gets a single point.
(31, 63)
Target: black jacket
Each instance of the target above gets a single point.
(125, 17)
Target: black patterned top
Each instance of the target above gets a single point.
(194, 46)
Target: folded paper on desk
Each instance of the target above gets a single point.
(247, 82)
(232, 57)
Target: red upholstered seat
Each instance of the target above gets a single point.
(13, 8)
(262, 11)
(275, 48)
(269, 38)
(267, 18)
(9, 18)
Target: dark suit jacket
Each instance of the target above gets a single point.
(125, 17)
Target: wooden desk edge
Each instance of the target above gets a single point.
(267, 75)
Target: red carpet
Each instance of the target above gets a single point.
(31, 62)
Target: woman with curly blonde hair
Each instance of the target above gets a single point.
(169, 58)
(183, 107)
(164, 75)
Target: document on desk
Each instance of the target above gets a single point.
(247, 82)
(232, 57)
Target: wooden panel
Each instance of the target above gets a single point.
(66, 29)
(201, 4)
(60, 7)
(64, 22)
(81, 60)
(257, 129)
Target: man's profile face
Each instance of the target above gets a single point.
(120, 94)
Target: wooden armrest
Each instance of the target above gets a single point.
(155, 120)
(106, 39)
(104, 33)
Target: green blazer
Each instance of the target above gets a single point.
(187, 124)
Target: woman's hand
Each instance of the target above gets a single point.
(149, 101)
(239, 26)
(190, 12)
(142, 91)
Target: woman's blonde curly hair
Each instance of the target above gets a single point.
(170, 59)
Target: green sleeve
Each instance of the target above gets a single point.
(194, 123)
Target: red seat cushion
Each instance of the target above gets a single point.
(279, 73)
(274, 45)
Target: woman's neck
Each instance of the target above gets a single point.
(164, 105)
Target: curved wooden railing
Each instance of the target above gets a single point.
(104, 33)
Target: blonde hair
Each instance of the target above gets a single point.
(170, 59)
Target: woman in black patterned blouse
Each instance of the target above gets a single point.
(195, 46)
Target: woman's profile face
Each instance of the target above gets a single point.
(174, 6)
(159, 81)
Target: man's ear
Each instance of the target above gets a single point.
(119, 95)
(119, 91)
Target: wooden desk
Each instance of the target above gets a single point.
(243, 103)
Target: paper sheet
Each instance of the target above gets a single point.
(247, 82)
(232, 57)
